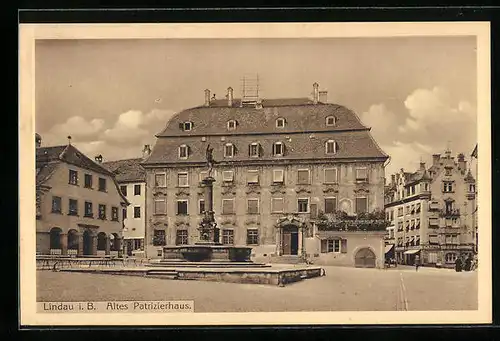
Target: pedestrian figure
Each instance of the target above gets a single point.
(468, 263)
(458, 264)
(417, 262)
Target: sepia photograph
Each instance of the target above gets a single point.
(255, 173)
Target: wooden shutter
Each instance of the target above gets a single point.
(324, 246)
(283, 146)
(181, 126)
(192, 125)
(260, 150)
(343, 245)
(336, 147)
(250, 149)
(188, 151)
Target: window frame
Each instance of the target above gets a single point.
(282, 204)
(256, 173)
(358, 179)
(135, 212)
(256, 235)
(229, 235)
(257, 147)
(115, 216)
(201, 200)
(308, 205)
(102, 181)
(331, 124)
(334, 147)
(135, 189)
(164, 175)
(155, 211)
(179, 179)
(75, 211)
(124, 193)
(177, 207)
(185, 148)
(335, 207)
(104, 208)
(182, 237)
(59, 211)
(226, 154)
(86, 213)
(336, 181)
(73, 180)
(308, 176)
(356, 203)
(227, 179)
(282, 176)
(282, 148)
(87, 176)
(231, 122)
(280, 119)
(233, 206)
(186, 124)
(248, 205)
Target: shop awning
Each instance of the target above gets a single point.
(412, 252)
(388, 248)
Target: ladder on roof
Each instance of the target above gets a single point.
(249, 90)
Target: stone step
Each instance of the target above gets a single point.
(167, 274)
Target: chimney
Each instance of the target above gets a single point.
(38, 140)
(98, 158)
(435, 159)
(323, 96)
(315, 93)
(146, 151)
(207, 97)
(422, 165)
(229, 97)
(462, 164)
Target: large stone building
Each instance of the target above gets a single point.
(132, 180)
(78, 204)
(432, 211)
(474, 165)
(279, 163)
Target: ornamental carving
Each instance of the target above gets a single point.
(331, 190)
(361, 189)
(228, 222)
(158, 224)
(252, 222)
(182, 192)
(182, 223)
(253, 190)
(228, 190)
(160, 193)
(277, 189)
(302, 190)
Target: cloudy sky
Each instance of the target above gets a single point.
(113, 96)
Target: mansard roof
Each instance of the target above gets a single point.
(300, 115)
(304, 134)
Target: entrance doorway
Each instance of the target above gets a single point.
(290, 240)
(365, 258)
(87, 243)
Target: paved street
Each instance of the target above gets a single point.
(340, 290)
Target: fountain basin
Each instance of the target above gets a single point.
(207, 253)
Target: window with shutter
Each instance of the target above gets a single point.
(160, 206)
(253, 150)
(330, 147)
(324, 246)
(183, 152)
(182, 180)
(227, 206)
(253, 206)
(361, 205)
(277, 205)
(361, 174)
(330, 205)
(253, 177)
(228, 176)
(229, 150)
(330, 175)
(278, 175)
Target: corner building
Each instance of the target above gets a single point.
(279, 162)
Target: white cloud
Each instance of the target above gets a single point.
(406, 156)
(381, 120)
(78, 127)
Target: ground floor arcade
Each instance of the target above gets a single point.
(444, 256)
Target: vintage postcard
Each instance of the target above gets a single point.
(260, 174)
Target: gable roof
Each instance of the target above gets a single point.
(300, 115)
(128, 170)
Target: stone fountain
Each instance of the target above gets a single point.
(208, 248)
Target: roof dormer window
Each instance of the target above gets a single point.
(331, 121)
(280, 123)
(231, 125)
(331, 147)
(183, 151)
(186, 126)
(278, 149)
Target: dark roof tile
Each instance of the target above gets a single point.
(128, 170)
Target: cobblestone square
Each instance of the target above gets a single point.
(342, 289)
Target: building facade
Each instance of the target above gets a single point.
(78, 202)
(278, 165)
(432, 212)
(131, 178)
(474, 165)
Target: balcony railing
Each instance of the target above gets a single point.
(340, 221)
(450, 213)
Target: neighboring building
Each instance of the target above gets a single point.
(431, 210)
(474, 164)
(390, 237)
(132, 180)
(78, 204)
(279, 164)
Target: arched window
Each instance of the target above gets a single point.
(231, 125)
(331, 121)
(331, 147)
(183, 151)
(278, 149)
(280, 122)
(229, 150)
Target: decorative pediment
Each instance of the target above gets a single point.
(160, 193)
(181, 223)
(277, 189)
(290, 219)
(182, 192)
(201, 194)
(227, 222)
(302, 190)
(158, 224)
(229, 190)
(331, 190)
(361, 189)
(252, 222)
(253, 190)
